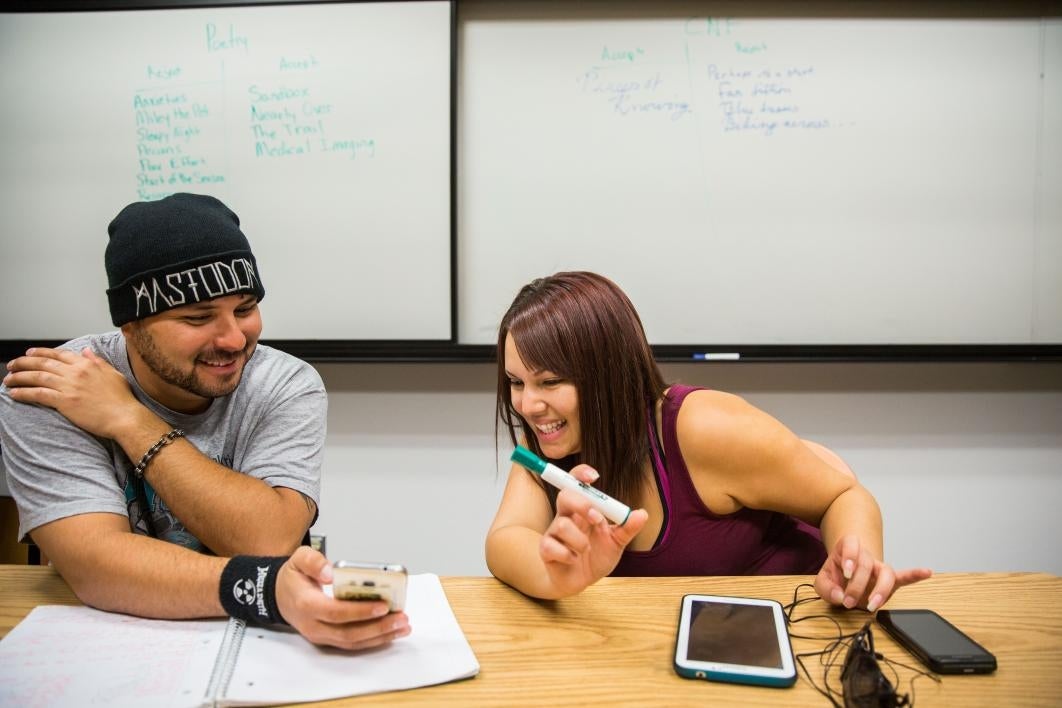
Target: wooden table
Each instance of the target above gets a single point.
(613, 644)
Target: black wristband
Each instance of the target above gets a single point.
(248, 589)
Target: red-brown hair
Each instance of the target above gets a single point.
(582, 327)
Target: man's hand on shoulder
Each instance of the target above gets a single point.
(325, 620)
(84, 388)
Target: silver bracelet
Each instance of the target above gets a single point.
(165, 440)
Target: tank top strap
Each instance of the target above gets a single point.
(670, 405)
(663, 481)
(673, 399)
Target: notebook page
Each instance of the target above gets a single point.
(78, 656)
(282, 667)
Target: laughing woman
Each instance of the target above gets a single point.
(719, 486)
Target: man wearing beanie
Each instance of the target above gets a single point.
(171, 468)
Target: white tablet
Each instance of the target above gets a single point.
(734, 639)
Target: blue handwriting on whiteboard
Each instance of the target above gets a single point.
(624, 105)
(763, 100)
(630, 95)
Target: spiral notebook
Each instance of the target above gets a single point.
(77, 656)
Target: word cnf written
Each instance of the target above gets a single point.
(709, 26)
(217, 42)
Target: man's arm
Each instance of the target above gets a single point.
(110, 568)
(230, 512)
(223, 508)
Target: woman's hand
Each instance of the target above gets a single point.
(852, 577)
(580, 546)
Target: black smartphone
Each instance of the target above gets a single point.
(936, 642)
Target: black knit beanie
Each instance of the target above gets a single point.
(177, 251)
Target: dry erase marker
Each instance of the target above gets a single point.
(717, 356)
(613, 510)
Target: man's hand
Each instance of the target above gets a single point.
(324, 620)
(84, 388)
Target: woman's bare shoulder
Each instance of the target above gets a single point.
(715, 424)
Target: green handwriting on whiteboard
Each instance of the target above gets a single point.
(172, 148)
(299, 63)
(221, 41)
(709, 26)
(287, 120)
(621, 54)
(743, 48)
(163, 72)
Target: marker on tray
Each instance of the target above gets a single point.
(716, 356)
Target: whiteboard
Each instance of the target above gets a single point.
(750, 177)
(325, 127)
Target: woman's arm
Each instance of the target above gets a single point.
(513, 539)
(549, 556)
(739, 456)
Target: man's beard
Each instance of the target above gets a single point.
(168, 370)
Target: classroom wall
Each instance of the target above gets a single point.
(964, 459)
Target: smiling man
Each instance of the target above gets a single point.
(166, 467)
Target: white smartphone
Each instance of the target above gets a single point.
(734, 639)
(353, 580)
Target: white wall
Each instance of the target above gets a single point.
(964, 459)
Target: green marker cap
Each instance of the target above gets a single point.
(523, 456)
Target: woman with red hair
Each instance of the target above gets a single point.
(718, 486)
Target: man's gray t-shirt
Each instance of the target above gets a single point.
(271, 427)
